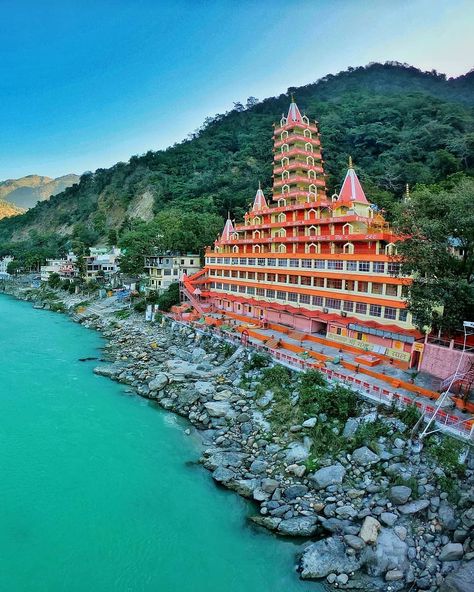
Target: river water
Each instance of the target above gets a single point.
(99, 489)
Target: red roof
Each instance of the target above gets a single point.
(294, 113)
(351, 190)
(228, 230)
(259, 202)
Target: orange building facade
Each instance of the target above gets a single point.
(319, 264)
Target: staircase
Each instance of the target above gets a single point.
(462, 381)
(187, 291)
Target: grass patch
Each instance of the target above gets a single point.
(446, 452)
(122, 314)
(410, 415)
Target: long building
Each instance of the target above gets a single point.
(319, 264)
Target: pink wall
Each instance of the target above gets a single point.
(442, 361)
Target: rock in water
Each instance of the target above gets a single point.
(325, 557)
(299, 526)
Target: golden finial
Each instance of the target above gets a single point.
(259, 185)
(407, 191)
(292, 98)
(350, 162)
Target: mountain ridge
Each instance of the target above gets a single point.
(26, 191)
(399, 124)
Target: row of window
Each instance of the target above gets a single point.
(314, 282)
(390, 267)
(373, 310)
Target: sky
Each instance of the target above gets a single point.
(87, 83)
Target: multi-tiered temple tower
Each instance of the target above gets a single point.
(316, 263)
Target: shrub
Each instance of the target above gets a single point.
(446, 452)
(257, 361)
(276, 376)
(338, 402)
(368, 432)
(54, 281)
(169, 298)
(410, 415)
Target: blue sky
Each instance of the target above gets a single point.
(86, 83)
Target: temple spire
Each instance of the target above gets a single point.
(259, 202)
(293, 112)
(228, 228)
(407, 192)
(351, 190)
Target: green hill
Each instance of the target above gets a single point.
(27, 191)
(399, 124)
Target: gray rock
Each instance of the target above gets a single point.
(399, 494)
(393, 575)
(390, 553)
(342, 579)
(325, 557)
(218, 408)
(299, 526)
(295, 491)
(269, 522)
(198, 354)
(388, 518)
(224, 458)
(451, 552)
(204, 388)
(310, 423)
(159, 382)
(354, 541)
(446, 516)
(364, 456)
(258, 466)
(414, 507)
(460, 580)
(296, 452)
(223, 475)
(350, 428)
(370, 530)
(269, 485)
(328, 476)
(245, 487)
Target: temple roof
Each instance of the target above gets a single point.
(351, 189)
(259, 202)
(293, 112)
(228, 229)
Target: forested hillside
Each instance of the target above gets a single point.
(399, 124)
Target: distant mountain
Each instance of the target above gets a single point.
(27, 191)
(8, 209)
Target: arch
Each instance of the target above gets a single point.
(235, 249)
(280, 233)
(285, 148)
(347, 228)
(307, 133)
(283, 121)
(348, 248)
(311, 174)
(282, 248)
(310, 160)
(312, 214)
(256, 249)
(313, 230)
(313, 248)
(390, 249)
(234, 236)
(285, 161)
(256, 220)
(285, 189)
(308, 147)
(281, 202)
(304, 119)
(284, 135)
(313, 189)
(256, 234)
(285, 175)
(281, 217)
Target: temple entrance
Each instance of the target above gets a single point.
(319, 327)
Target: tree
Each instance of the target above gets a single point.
(438, 223)
(169, 298)
(54, 281)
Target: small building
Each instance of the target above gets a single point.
(102, 262)
(166, 269)
(64, 267)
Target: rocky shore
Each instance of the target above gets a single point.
(377, 512)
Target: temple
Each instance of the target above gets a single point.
(317, 263)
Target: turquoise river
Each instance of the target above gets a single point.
(99, 489)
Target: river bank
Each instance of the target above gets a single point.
(382, 513)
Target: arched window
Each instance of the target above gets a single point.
(308, 147)
(347, 228)
(390, 249)
(282, 248)
(285, 189)
(312, 214)
(234, 236)
(282, 201)
(313, 248)
(257, 220)
(304, 119)
(311, 174)
(310, 160)
(256, 249)
(256, 234)
(285, 148)
(235, 249)
(284, 135)
(313, 230)
(285, 175)
(348, 248)
(281, 217)
(307, 133)
(280, 233)
(283, 121)
(285, 161)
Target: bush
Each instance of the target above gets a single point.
(140, 306)
(368, 432)
(54, 281)
(446, 452)
(257, 362)
(410, 415)
(338, 402)
(276, 377)
(169, 298)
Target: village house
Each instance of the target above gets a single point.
(165, 269)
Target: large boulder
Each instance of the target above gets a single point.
(364, 456)
(460, 580)
(296, 452)
(399, 494)
(224, 458)
(389, 553)
(223, 475)
(327, 556)
(414, 507)
(159, 382)
(294, 491)
(350, 428)
(451, 552)
(326, 476)
(299, 526)
(204, 388)
(218, 408)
